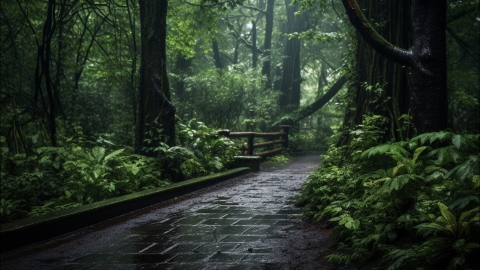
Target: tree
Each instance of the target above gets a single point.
(267, 43)
(380, 86)
(426, 59)
(291, 79)
(156, 113)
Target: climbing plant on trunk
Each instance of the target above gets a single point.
(389, 82)
(426, 59)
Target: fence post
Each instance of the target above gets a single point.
(285, 129)
(250, 144)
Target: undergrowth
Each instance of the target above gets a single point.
(411, 204)
(277, 159)
(80, 171)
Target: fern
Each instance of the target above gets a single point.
(395, 150)
(467, 169)
(440, 136)
(391, 191)
(400, 181)
(114, 154)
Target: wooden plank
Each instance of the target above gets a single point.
(266, 153)
(269, 134)
(256, 134)
(264, 144)
(240, 134)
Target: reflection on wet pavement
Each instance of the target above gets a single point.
(238, 225)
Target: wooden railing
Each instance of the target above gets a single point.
(272, 139)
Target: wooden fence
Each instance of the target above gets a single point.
(271, 139)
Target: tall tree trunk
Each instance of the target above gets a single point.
(267, 44)
(216, 54)
(42, 71)
(181, 69)
(133, 54)
(156, 113)
(290, 88)
(59, 63)
(426, 59)
(254, 45)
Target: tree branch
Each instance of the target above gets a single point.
(308, 110)
(239, 37)
(373, 38)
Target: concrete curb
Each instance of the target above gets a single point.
(33, 229)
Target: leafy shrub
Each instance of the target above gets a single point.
(396, 201)
(277, 159)
(214, 153)
(56, 178)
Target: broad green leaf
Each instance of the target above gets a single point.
(135, 170)
(398, 182)
(44, 159)
(457, 141)
(432, 227)
(418, 152)
(475, 181)
(449, 217)
(114, 153)
(466, 214)
(98, 153)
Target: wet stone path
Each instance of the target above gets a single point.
(249, 222)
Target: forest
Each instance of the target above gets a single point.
(105, 98)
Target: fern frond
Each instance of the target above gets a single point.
(394, 150)
(400, 258)
(98, 153)
(398, 182)
(467, 169)
(434, 176)
(418, 152)
(113, 154)
(445, 155)
(440, 136)
(460, 140)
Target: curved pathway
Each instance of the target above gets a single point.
(249, 222)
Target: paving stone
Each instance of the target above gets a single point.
(232, 229)
(218, 221)
(238, 225)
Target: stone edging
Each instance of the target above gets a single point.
(34, 229)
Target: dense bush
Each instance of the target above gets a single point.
(76, 173)
(411, 204)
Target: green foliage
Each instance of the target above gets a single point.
(390, 201)
(277, 159)
(310, 140)
(208, 152)
(222, 99)
(56, 178)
